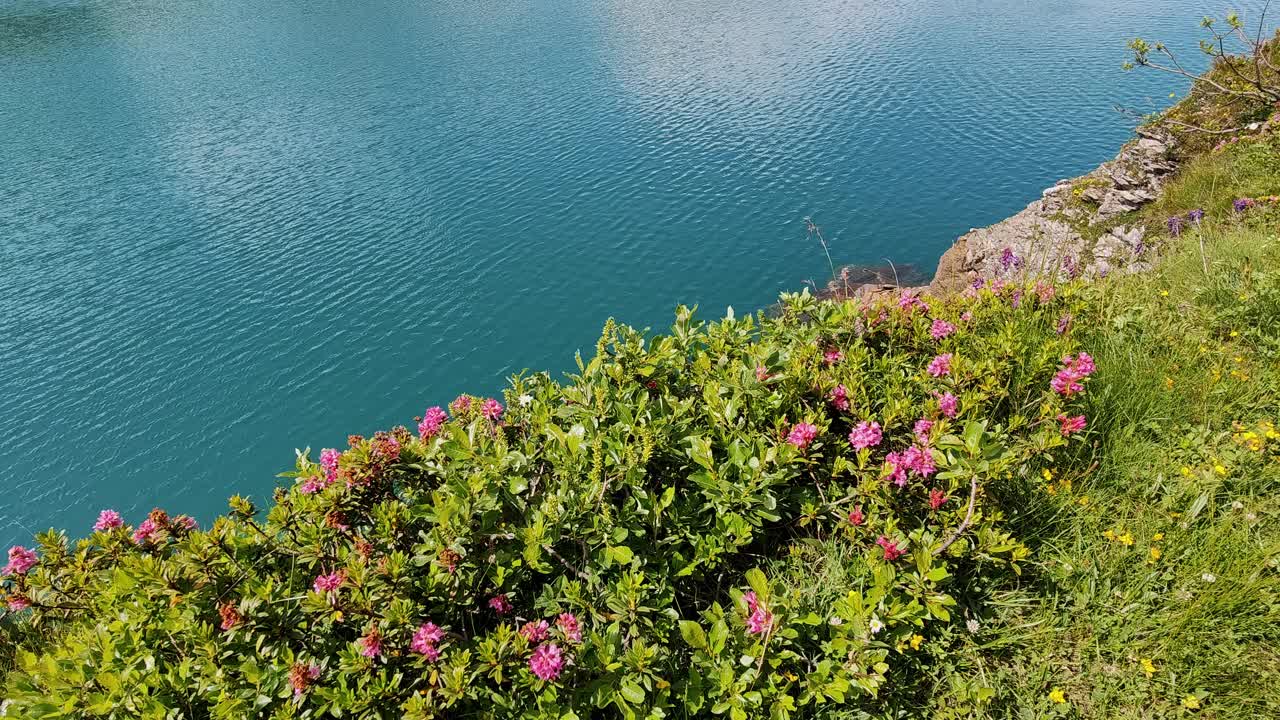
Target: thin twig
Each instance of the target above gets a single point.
(964, 524)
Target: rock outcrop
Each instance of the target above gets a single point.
(1079, 227)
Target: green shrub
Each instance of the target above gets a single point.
(628, 509)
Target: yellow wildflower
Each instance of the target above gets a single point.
(1168, 383)
(1191, 702)
(1057, 696)
(1148, 668)
(1047, 474)
(1066, 485)
(915, 641)
(1235, 333)
(1218, 468)
(1109, 535)
(1125, 538)
(1164, 293)
(1084, 500)
(1158, 537)
(1155, 553)
(1051, 489)
(1186, 471)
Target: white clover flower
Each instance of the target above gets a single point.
(1209, 577)
(525, 400)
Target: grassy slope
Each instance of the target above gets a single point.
(1161, 542)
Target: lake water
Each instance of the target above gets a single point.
(229, 228)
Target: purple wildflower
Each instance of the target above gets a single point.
(108, 520)
(865, 435)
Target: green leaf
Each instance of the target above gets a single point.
(693, 634)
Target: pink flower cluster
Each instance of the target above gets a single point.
(832, 356)
(108, 520)
(426, 641)
(759, 619)
(491, 409)
(909, 303)
(535, 631)
(865, 435)
(948, 404)
(941, 329)
(500, 604)
(802, 434)
(937, 499)
(857, 517)
(915, 459)
(922, 429)
(1074, 370)
(1071, 425)
(839, 398)
(460, 405)
(329, 462)
(547, 661)
(569, 625)
(891, 550)
(146, 531)
(18, 603)
(432, 420)
(762, 373)
(329, 583)
(940, 365)
(21, 560)
(385, 447)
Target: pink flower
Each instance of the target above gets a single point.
(491, 409)
(460, 405)
(966, 316)
(840, 398)
(922, 429)
(230, 616)
(1070, 424)
(108, 520)
(547, 661)
(941, 329)
(329, 583)
(865, 435)
(1067, 381)
(897, 470)
(948, 404)
(385, 446)
(802, 434)
(146, 532)
(762, 373)
(891, 550)
(535, 632)
(186, 522)
(312, 484)
(329, 461)
(937, 499)
(18, 603)
(910, 303)
(432, 420)
(569, 625)
(940, 365)
(425, 639)
(759, 621)
(752, 601)
(832, 356)
(371, 644)
(856, 517)
(918, 460)
(500, 604)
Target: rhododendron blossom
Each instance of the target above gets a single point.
(762, 373)
(329, 583)
(922, 429)
(865, 434)
(891, 550)
(425, 640)
(18, 603)
(937, 499)
(832, 357)
(759, 621)
(460, 405)
(500, 604)
(491, 409)
(802, 434)
(941, 329)
(547, 661)
(329, 462)
(856, 516)
(840, 398)
(909, 303)
(535, 631)
(146, 532)
(940, 365)
(948, 404)
(1067, 381)
(229, 615)
(432, 420)
(1071, 424)
(108, 520)
(568, 624)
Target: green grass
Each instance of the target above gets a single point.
(1188, 577)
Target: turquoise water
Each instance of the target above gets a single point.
(230, 228)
